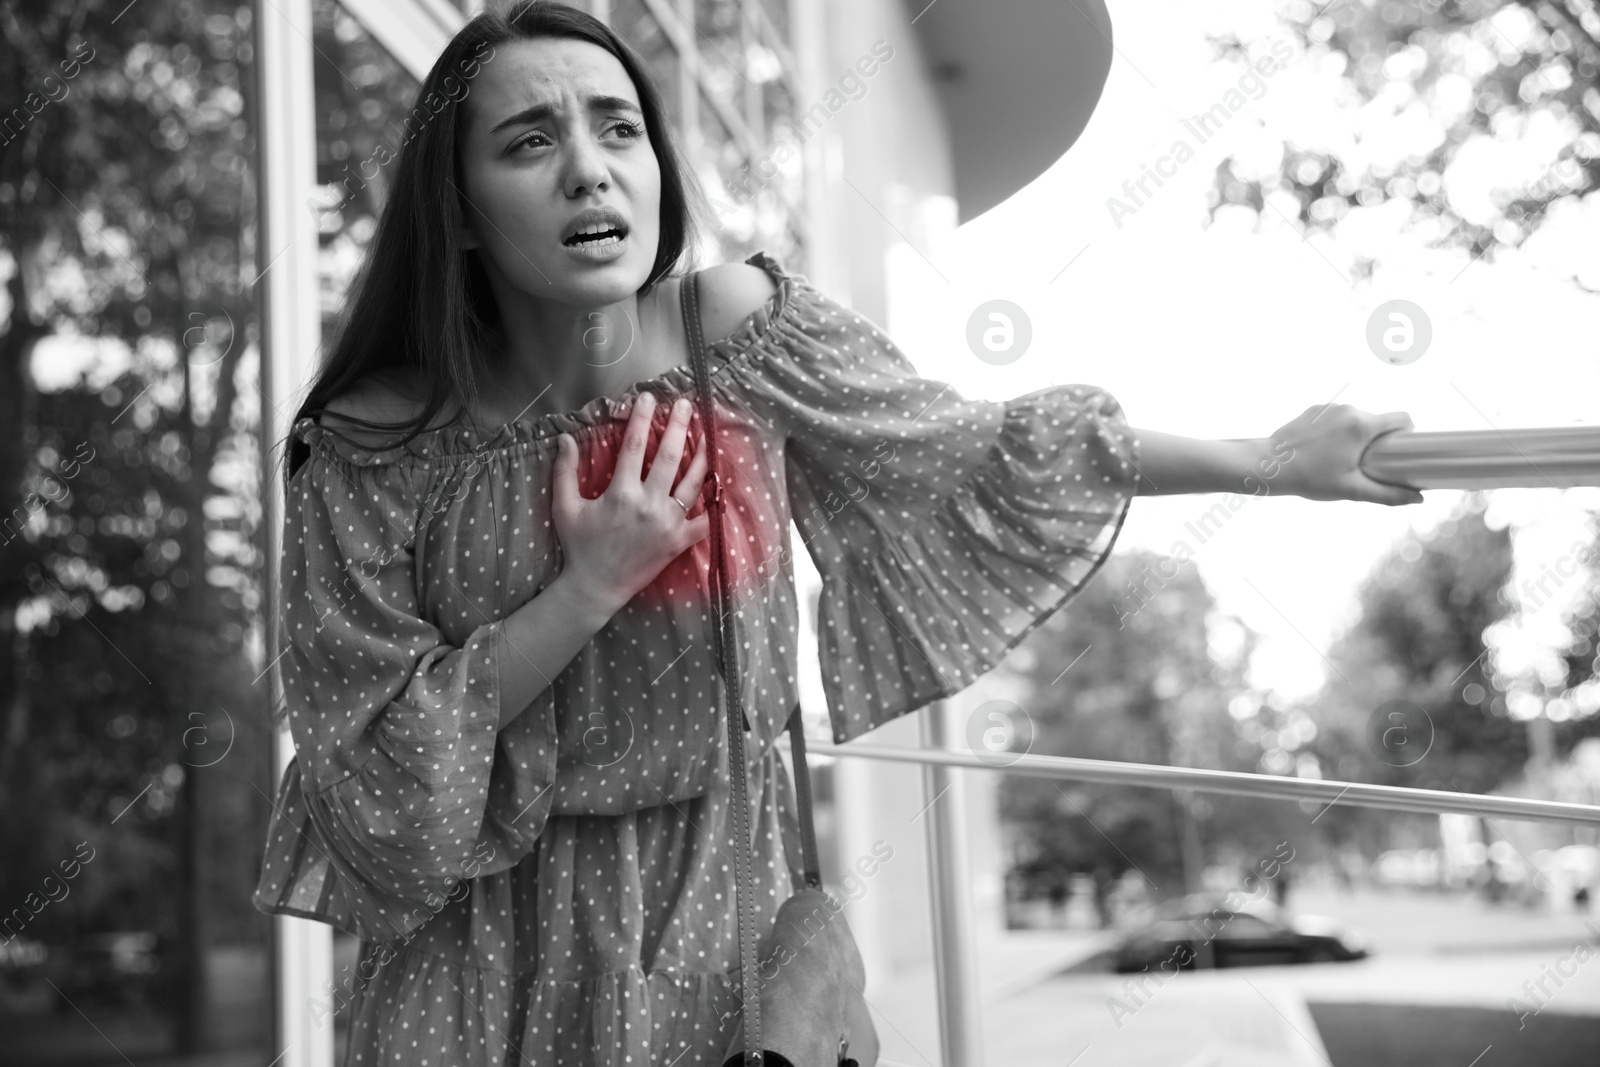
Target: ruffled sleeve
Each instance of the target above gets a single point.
(945, 530)
(381, 814)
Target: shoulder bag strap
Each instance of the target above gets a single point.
(728, 665)
(739, 803)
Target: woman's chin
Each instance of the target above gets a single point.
(599, 278)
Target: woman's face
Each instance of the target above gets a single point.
(554, 131)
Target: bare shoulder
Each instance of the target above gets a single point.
(383, 397)
(729, 293)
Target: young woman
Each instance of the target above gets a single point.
(497, 658)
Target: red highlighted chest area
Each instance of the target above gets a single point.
(487, 540)
(755, 510)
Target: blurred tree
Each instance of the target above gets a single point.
(1420, 640)
(1126, 672)
(1573, 700)
(129, 575)
(1442, 87)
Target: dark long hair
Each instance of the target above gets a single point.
(420, 303)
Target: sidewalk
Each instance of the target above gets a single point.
(1437, 985)
(1033, 1016)
(905, 1005)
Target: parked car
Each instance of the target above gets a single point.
(1200, 931)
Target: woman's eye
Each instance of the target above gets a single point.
(524, 139)
(629, 131)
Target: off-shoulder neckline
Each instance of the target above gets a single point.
(458, 439)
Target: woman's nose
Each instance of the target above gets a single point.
(586, 168)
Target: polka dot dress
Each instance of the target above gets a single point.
(561, 891)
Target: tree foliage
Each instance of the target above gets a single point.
(1124, 672)
(129, 573)
(1572, 698)
(1435, 89)
(1418, 650)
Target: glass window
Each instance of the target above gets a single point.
(134, 759)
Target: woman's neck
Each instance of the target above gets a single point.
(557, 357)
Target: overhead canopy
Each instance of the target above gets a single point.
(1018, 80)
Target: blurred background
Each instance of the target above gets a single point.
(1255, 194)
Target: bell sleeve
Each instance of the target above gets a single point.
(381, 814)
(946, 530)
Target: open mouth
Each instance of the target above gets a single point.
(597, 236)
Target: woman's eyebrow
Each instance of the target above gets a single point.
(540, 111)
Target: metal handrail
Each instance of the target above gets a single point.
(1546, 458)
(1542, 458)
(1237, 783)
(954, 936)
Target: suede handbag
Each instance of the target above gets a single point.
(817, 1016)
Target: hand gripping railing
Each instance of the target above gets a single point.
(1551, 458)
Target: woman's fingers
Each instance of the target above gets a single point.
(694, 530)
(1387, 422)
(697, 529)
(694, 479)
(669, 452)
(630, 457)
(1329, 441)
(1384, 492)
(564, 495)
(663, 465)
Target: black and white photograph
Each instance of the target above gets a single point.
(799, 533)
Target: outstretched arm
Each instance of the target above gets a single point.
(1316, 455)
